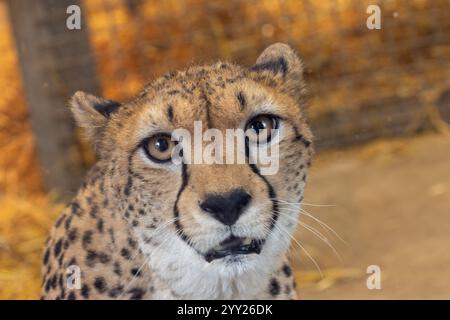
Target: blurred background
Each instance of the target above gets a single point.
(378, 193)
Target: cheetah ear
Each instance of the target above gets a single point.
(92, 113)
(279, 65)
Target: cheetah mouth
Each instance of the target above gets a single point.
(234, 246)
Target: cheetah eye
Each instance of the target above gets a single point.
(259, 129)
(159, 147)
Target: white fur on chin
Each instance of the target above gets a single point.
(186, 273)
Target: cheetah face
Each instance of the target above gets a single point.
(223, 218)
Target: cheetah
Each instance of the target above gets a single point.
(144, 227)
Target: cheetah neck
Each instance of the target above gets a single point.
(186, 275)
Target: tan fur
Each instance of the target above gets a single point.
(108, 230)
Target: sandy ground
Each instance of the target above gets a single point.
(391, 205)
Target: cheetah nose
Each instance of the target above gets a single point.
(227, 208)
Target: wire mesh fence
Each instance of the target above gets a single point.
(364, 83)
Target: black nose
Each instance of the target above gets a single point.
(226, 208)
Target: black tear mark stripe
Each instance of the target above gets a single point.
(271, 190)
(176, 212)
(272, 195)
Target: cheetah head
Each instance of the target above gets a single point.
(225, 219)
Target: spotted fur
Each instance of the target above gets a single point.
(135, 230)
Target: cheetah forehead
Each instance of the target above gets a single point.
(221, 95)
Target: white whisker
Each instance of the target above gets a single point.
(322, 224)
(315, 232)
(302, 247)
